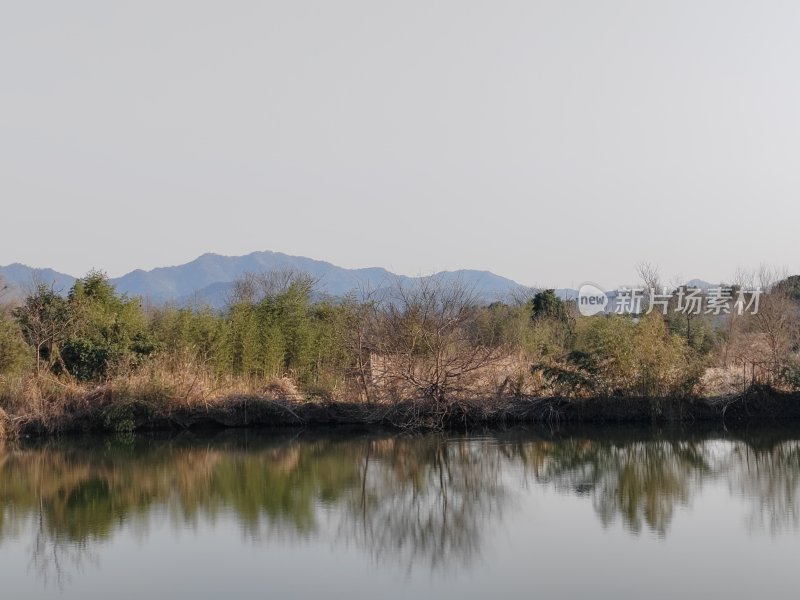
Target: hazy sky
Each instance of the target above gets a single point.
(551, 142)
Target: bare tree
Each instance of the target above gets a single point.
(733, 323)
(424, 339)
(362, 308)
(764, 325)
(520, 295)
(777, 321)
(649, 274)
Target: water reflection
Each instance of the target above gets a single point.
(640, 482)
(423, 501)
(769, 477)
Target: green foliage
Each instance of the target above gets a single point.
(86, 333)
(615, 355)
(697, 330)
(606, 351)
(45, 320)
(665, 363)
(549, 338)
(552, 327)
(546, 304)
(790, 286)
(276, 326)
(500, 324)
(110, 329)
(85, 359)
(119, 418)
(14, 352)
(197, 334)
(283, 332)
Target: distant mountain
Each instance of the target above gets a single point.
(699, 284)
(209, 278)
(20, 278)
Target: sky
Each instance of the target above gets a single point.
(551, 142)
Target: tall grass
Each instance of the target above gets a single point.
(49, 403)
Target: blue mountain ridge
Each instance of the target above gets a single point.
(209, 278)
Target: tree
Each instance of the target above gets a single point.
(553, 324)
(424, 340)
(546, 305)
(650, 276)
(46, 320)
(665, 364)
(272, 325)
(14, 352)
(252, 288)
(790, 286)
(190, 333)
(605, 350)
(109, 329)
(617, 356)
(357, 324)
(778, 322)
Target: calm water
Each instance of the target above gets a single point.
(631, 514)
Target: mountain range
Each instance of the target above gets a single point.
(209, 278)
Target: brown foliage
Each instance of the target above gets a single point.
(424, 343)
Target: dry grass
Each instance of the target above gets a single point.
(156, 396)
(49, 404)
(282, 388)
(188, 395)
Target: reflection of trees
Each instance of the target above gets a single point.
(424, 500)
(82, 496)
(71, 499)
(54, 558)
(639, 481)
(770, 479)
(417, 501)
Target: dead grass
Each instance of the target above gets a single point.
(157, 397)
(49, 404)
(282, 388)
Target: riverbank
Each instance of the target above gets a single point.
(103, 413)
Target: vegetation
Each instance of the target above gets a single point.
(93, 351)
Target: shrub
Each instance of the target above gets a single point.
(614, 355)
(605, 350)
(85, 360)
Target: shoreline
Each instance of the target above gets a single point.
(120, 415)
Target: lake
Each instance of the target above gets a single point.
(614, 513)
